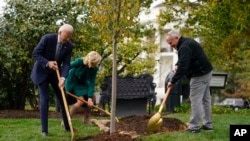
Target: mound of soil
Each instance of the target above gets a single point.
(127, 129)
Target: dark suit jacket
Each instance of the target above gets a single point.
(44, 52)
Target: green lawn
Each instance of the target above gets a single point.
(221, 124)
(29, 129)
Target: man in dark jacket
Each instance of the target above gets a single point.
(47, 60)
(193, 63)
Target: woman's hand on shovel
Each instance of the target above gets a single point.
(90, 102)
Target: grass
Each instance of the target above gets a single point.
(221, 124)
(29, 129)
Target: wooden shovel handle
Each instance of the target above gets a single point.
(165, 99)
(84, 101)
(66, 107)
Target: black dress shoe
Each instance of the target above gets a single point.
(193, 130)
(206, 128)
(45, 134)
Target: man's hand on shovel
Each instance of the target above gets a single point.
(65, 104)
(53, 65)
(61, 83)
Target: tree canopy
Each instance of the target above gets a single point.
(25, 21)
(223, 29)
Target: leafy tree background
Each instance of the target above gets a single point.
(25, 21)
(223, 29)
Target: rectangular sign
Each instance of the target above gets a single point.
(218, 80)
(239, 132)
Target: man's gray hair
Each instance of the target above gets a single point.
(66, 27)
(174, 33)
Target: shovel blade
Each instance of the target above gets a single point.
(155, 126)
(154, 122)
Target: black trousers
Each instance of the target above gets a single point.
(43, 89)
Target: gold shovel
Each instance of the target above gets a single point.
(156, 120)
(66, 107)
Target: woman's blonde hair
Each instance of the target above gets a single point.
(92, 59)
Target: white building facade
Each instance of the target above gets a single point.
(167, 57)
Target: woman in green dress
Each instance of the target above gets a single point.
(81, 81)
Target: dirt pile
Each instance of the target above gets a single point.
(128, 128)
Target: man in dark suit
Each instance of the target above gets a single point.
(44, 70)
